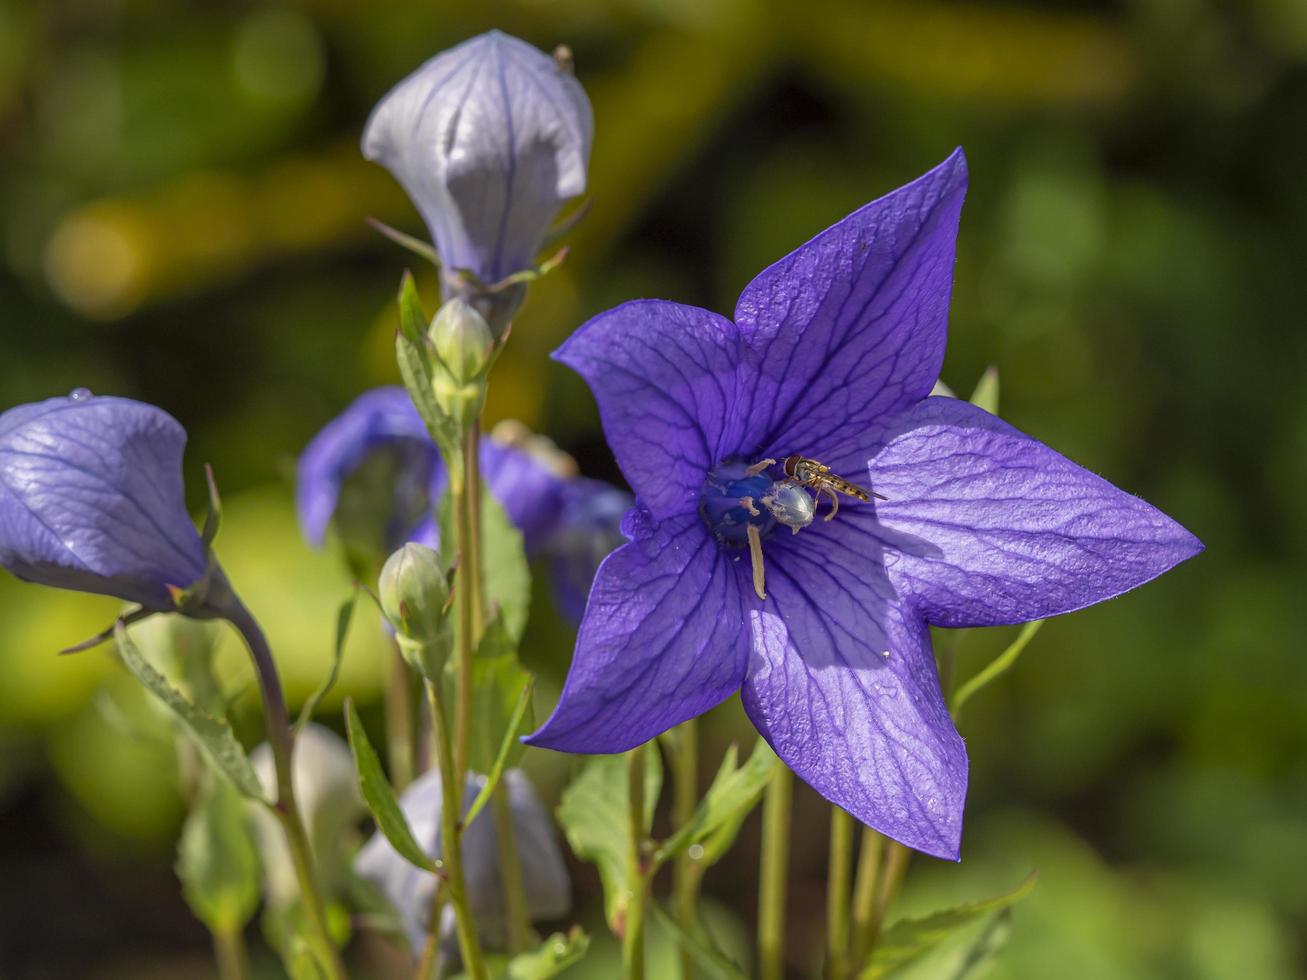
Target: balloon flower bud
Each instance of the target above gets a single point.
(414, 591)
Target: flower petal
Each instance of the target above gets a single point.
(91, 499)
(664, 376)
(664, 639)
(990, 526)
(851, 327)
(842, 683)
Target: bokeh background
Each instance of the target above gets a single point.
(182, 211)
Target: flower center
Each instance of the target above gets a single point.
(731, 502)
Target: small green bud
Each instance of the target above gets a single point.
(462, 340)
(414, 592)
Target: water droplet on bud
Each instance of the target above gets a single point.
(80, 395)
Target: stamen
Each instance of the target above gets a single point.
(755, 554)
(747, 504)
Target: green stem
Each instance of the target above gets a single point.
(399, 721)
(775, 867)
(451, 849)
(685, 798)
(838, 883)
(463, 534)
(633, 921)
(229, 950)
(891, 877)
(520, 937)
(277, 721)
(864, 892)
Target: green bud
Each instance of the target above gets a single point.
(462, 340)
(414, 593)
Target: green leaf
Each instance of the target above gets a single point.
(497, 684)
(593, 814)
(907, 940)
(380, 795)
(214, 735)
(734, 792)
(510, 746)
(988, 944)
(416, 366)
(715, 963)
(506, 574)
(343, 617)
(996, 667)
(986, 394)
(555, 955)
(216, 860)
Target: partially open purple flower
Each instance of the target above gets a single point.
(91, 499)
(374, 472)
(831, 358)
(409, 890)
(489, 139)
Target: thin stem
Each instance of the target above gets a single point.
(775, 866)
(864, 892)
(463, 532)
(510, 871)
(229, 950)
(633, 922)
(277, 721)
(685, 798)
(838, 883)
(451, 843)
(476, 574)
(891, 877)
(399, 721)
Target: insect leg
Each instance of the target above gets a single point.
(759, 466)
(834, 502)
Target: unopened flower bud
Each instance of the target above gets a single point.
(414, 593)
(462, 340)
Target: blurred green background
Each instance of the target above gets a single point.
(182, 211)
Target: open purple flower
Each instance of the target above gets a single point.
(489, 139)
(830, 358)
(91, 499)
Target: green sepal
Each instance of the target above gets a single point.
(380, 797)
(343, 617)
(995, 668)
(907, 940)
(734, 792)
(593, 815)
(213, 735)
(555, 955)
(216, 859)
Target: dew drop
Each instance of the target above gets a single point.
(695, 852)
(80, 394)
(884, 655)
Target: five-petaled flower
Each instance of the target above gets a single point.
(489, 138)
(91, 499)
(831, 356)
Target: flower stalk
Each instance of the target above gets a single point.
(870, 855)
(772, 876)
(399, 722)
(838, 883)
(231, 955)
(633, 921)
(277, 720)
(510, 870)
(685, 798)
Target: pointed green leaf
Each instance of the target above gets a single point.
(908, 940)
(343, 617)
(497, 684)
(506, 574)
(714, 962)
(986, 394)
(734, 792)
(996, 667)
(417, 368)
(510, 746)
(216, 860)
(380, 795)
(555, 955)
(213, 735)
(988, 944)
(593, 814)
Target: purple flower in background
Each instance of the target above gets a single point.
(91, 499)
(831, 357)
(489, 139)
(409, 890)
(374, 473)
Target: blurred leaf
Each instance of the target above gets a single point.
(555, 955)
(216, 859)
(996, 667)
(715, 963)
(213, 735)
(908, 940)
(509, 747)
(593, 814)
(986, 394)
(343, 617)
(380, 796)
(988, 944)
(733, 793)
(504, 567)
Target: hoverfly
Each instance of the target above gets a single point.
(818, 478)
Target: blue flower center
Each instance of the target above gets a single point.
(731, 501)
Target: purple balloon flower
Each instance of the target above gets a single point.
(831, 357)
(91, 499)
(489, 139)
